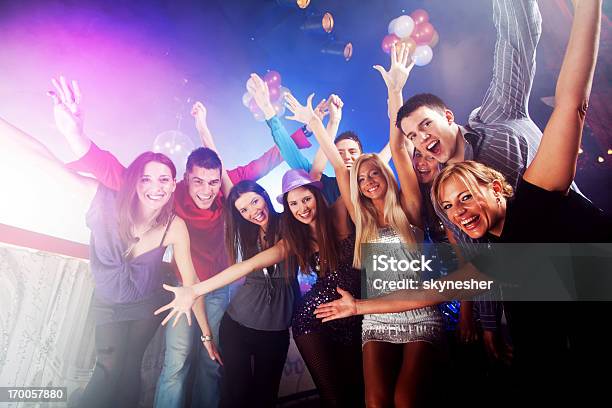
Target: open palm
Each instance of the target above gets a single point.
(401, 65)
(66, 110)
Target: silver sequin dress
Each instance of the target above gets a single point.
(425, 324)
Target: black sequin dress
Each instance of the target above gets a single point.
(345, 331)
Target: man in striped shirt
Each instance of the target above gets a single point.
(499, 133)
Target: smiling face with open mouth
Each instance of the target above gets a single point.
(253, 208)
(372, 183)
(475, 212)
(203, 185)
(349, 151)
(155, 186)
(302, 204)
(430, 131)
(426, 167)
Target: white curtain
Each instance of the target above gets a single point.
(46, 334)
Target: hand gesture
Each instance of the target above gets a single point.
(184, 298)
(212, 351)
(344, 307)
(322, 109)
(302, 114)
(258, 89)
(66, 109)
(335, 108)
(396, 77)
(198, 111)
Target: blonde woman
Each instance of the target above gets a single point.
(400, 350)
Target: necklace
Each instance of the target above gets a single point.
(145, 231)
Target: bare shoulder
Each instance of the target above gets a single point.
(177, 231)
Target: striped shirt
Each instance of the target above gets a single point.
(500, 133)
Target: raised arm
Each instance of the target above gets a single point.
(518, 26)
(68, 115)
(186, 296)
(36, 155)
(395, 79)
(305, 114)
(258, 88)
(320, 160)
(69, 121)
(554, 165)
(198, 111)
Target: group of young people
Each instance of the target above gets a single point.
(489, 181)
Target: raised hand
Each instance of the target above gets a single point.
(66, 110)
(302, 114)
(258, 88)
(335, 108)
(198, 111)
(184, 298)
(396, 77)
(322, 109)
(344, 307)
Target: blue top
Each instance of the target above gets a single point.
(296, 160)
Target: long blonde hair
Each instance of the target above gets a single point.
(471, 174)
(365, 211)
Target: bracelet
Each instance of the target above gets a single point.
(306, 131)
(205, 338)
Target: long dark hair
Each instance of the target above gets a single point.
(300, 239)
(241, 236)
(127, 197)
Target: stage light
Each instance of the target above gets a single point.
(609, 151)
(580, 150)
(336, 47)
(600, 159)
(319, 23)
(293, 3)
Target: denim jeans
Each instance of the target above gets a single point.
(181, 342)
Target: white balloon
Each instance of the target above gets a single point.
(176, 145)
(279, 107)
(422, 55)
(283, 91)
(403, 26)
(246, 98)
(391, 28)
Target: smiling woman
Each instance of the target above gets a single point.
(130, 230)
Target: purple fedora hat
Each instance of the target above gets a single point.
(295, 178)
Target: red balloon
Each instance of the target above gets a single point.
(275, 93)
(273, 79)
(423, 33)
(419, 16)
(388, 41)
(434, 39)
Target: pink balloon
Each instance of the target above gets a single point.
(419, 16)
(275, 93)
(388, 41)
(273, 79)
(423, 33)
(253, 106)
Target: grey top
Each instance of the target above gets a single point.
(266, 299)
(125, 288)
